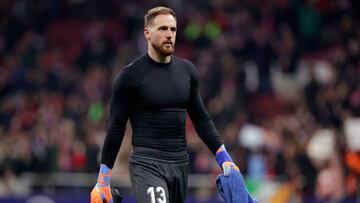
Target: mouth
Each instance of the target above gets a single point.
(168, 43)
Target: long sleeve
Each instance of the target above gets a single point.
(203, 124)
(119, 112)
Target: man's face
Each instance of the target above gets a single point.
(161, 34)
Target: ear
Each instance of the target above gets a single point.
(146, 33)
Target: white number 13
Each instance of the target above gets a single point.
(161, 191)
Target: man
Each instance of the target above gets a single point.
(155, 92)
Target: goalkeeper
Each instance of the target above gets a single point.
(155, 92)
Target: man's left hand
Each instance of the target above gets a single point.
(224, 160)
(227, 166)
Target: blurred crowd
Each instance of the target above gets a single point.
(280, 79)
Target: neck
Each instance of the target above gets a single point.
(158, 57)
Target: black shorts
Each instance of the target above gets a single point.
(157, 181)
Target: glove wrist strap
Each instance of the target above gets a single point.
(104, 175)
(222, 156)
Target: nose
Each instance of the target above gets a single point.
(169, 34)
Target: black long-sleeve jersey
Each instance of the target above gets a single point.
(155, 97)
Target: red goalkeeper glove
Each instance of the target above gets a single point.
(101, 192)
(224, 160)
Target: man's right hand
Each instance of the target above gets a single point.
(101, 193)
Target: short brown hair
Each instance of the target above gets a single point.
(152, 13)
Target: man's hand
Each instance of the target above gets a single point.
(101, 192)
(224, 160)
(227, 166)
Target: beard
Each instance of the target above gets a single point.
(162, 49)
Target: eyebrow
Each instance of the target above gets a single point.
(173, 28)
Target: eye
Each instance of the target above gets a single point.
(173, 29)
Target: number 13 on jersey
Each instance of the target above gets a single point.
(160, 192)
